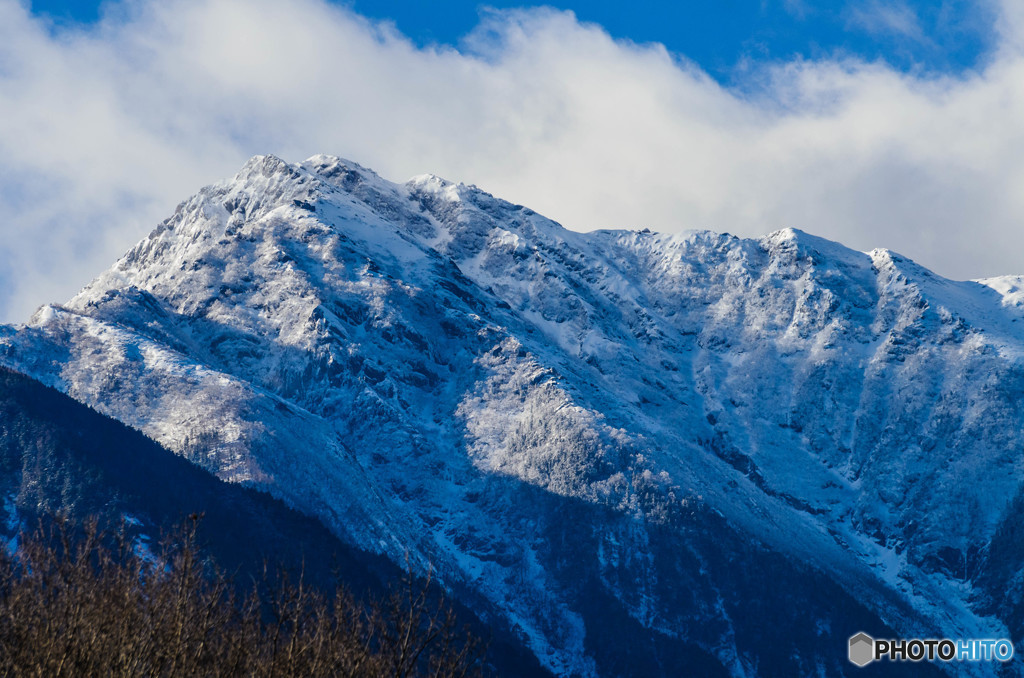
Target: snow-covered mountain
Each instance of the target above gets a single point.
(648, 454)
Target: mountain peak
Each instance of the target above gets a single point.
(433, 371)
(264, 166)
(807, 242)
(332, 166)
(440, 188)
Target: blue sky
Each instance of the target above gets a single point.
(876, 123)
(719, 35)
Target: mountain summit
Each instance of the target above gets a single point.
(646, 454)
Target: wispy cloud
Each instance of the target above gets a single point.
(105, 128)
(890, 17)
(799, 9)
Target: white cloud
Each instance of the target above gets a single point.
(105, 129)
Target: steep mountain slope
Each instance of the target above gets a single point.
(727, 455)
(59, 457)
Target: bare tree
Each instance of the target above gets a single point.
(87, 602)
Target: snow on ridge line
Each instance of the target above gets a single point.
(782, 382)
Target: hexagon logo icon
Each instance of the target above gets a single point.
(862, 649)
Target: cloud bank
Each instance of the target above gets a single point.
(104, 129)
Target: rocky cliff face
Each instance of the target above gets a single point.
(644, 452)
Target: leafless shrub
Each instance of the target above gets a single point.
(88, 602)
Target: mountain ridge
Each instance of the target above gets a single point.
(404, 361)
